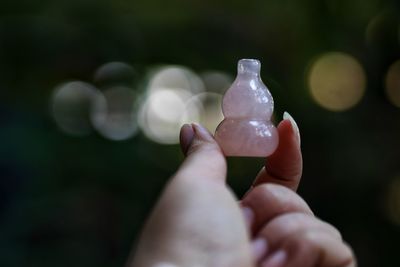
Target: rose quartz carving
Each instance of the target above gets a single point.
(247, 106)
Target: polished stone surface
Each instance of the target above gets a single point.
(247, 106)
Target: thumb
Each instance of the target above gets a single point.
(204, 157)
(197, 221)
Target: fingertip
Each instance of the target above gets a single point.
(276, 259)
(204, 157)
(286, 133)
(259, 247)
(289, 136)
(286, 163)
(202, 138)
(293, 124)
(202, 132)
(186, 137)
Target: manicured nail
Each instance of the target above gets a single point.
(186, 137)
(259, 247)
(164, 264)
(287, 116)
(248, 216)
(202, 132)
(277, 259)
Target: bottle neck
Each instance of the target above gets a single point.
(249, 67)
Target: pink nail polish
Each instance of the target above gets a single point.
(186, 137)
(277, 259)
(259, 248)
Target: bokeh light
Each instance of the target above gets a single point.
(375, 27)
(392, 83)
(114, 114)
(176, 77)
(161, 114)
(132, 45)
(204, 108)
(163, 106)
(336, 81)
(113, 74)
(393, 201)
(70, 107)
(382, 31)
(398, 33)
(216, 81)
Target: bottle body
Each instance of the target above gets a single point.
(247, 106)
(247, 138)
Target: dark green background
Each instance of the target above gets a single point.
(68, 201)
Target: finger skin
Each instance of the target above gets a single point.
(285, 165)
(270, 200)
(197, 221)
(204, 158)
(317, 248)
(286, 225)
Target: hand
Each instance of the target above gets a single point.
(198, 222)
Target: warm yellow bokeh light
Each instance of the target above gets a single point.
(392, 84)
(393, 201)
(374, 28)
(336, 81)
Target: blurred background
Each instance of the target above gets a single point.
(93, 93)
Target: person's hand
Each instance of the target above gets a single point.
(198, 222)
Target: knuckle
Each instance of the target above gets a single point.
(332, 229)
(271, 189)
(304, 244)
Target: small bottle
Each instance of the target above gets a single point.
(247, 106)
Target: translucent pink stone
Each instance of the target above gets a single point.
(247, 106)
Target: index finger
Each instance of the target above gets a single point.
(285, 165)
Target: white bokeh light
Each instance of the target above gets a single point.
(216, 81)
(164, 104)
(175, 77)
(204, 108)
(70, 107)
(161, 113)
(114, 114)
(113, 74)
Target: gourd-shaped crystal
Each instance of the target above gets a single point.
(247, 106)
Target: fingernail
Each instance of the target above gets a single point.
(287, 116)
(186, 137)
(248, 216)
(164, 264)
(277, 259)
(259, 247)
(202, 132)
